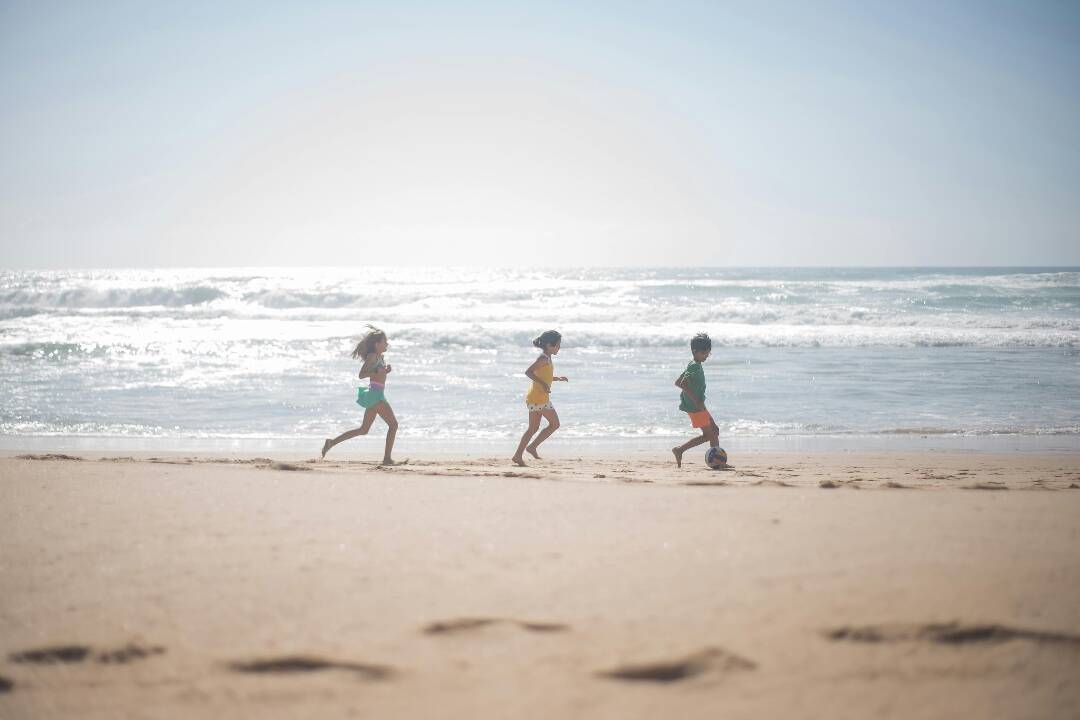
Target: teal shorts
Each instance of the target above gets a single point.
(369, 397)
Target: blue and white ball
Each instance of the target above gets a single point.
(716, 458)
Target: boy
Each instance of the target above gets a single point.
(692, 400)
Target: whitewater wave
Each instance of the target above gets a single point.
(101, 298)
(340, 288)
(728, 430)
(225, 339)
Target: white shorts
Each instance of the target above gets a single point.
(539, 408)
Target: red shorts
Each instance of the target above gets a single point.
(700, 419)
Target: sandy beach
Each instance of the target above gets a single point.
(842, 585)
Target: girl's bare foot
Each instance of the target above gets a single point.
(518, 461)
(325, 447)
(678, 455)
(532, 451)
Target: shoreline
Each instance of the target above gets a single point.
(829, 470)
(558, 446)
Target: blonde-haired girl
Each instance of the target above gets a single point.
(370, 351)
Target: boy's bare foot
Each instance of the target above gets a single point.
(532, 451)
(518, 461)
(325, 448)
(387, 462)
(678, 455)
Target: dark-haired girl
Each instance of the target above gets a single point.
(538, 399)
(370, 350)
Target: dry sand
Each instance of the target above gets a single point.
(829, 586)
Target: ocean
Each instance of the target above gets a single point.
(258, 359)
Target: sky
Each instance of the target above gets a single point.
(154, 134)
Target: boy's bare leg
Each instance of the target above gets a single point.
(713, 434)
(678, 451)
(553, 424)
(534, 425)
(369, 418)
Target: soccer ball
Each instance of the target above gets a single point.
(716, 458)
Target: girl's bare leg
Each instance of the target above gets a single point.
(369, 418)
(534, 425)
(553, 424)
(387, 414)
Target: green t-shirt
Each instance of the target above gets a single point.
(695, 383)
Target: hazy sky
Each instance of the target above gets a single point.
(552, 133)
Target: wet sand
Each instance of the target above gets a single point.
(843, 585)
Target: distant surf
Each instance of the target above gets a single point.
(262, 353)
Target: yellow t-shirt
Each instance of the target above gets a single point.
(536, 394)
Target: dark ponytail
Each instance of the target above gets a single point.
(548, 337)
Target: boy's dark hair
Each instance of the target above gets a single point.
(548, 337)
(700, 343)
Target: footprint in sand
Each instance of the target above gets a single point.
(6, 685)
(288, 467)
(48, 456)
(832, 484)
(929, 475)
(302, 664)
(711, 660)
(953, 633)
(127, 654)
(52, 655)
(66, 654)
(459, 625)
(395, 464)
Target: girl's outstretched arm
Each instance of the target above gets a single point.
(531, 372)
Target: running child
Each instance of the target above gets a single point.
(372, 398)
(692, 399)
(538, 399)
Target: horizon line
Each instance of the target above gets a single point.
(121, 268)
